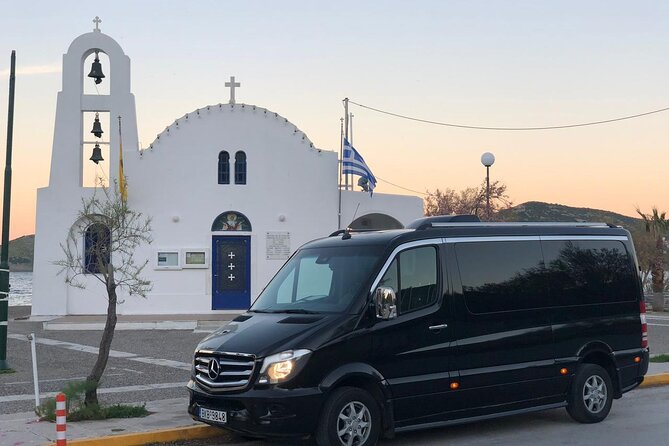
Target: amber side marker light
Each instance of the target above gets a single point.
(637, 359)
(455, 386)
(563, 371)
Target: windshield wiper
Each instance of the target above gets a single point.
(287, 311)
(299, 311)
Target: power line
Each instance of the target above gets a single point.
(478, 127)
(402, 187)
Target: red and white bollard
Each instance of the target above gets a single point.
(61, 423)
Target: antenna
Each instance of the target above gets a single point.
(347, 231)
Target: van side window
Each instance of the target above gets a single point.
(391, 277)
(582, 272)
(502, 276)
(413, 276)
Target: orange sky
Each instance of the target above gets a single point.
(491, 64)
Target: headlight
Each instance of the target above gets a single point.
(282, 366)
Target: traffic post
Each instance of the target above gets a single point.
(61, 420)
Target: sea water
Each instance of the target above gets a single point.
(20, 288)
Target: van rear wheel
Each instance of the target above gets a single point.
(351, 417)
(591, 394)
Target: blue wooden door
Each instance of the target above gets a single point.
(231, 281)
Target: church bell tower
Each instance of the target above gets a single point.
(78, 103)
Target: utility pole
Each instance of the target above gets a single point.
(4, 252)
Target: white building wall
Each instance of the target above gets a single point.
(291, 187)
(403, 208)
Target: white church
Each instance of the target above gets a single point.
(232, 190)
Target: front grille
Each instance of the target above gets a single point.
(232, 371)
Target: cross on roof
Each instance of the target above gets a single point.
(97, 20)
(232, 84)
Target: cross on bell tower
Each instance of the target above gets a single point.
(232, 84)
(97, 20)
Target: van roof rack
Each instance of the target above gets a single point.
(449, 221)
(429, 222)
(527, 223)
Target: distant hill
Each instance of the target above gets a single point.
(21, 253)
(539, 211)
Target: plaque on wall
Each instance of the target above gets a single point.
(278, 245)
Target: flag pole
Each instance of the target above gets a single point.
(341, 165)
(350, 141)
(346, 131)
(122, 187)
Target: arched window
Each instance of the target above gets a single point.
(224, 168)
(97, 248)
(240, 167)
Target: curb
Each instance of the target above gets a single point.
(661, 379)
(99, 326)
(156, 436)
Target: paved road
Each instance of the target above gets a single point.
(639, 419)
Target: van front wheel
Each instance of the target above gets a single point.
(591, 394)
(351, 417)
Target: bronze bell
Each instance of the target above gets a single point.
(96, 157)
(97, 128)
(96, 70)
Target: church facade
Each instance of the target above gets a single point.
(232, 190)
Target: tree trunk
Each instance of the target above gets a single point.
(105, 345)
(657, 275)
(658, 301)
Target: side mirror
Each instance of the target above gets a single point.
(386, 303)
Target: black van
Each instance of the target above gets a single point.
(450, 321)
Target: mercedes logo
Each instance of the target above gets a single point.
(214, 369)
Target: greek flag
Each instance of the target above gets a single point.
(354, 164)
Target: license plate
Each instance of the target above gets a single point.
(213, 415)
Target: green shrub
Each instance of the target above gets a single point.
(75, 393)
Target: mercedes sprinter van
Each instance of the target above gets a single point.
(364, 334)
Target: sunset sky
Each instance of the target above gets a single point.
(487, 63)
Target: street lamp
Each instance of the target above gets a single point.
(487, 159)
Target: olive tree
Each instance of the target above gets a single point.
(101, 247)
(471, 201)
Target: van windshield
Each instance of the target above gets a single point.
(319, 280)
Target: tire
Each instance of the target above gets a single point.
(358, 409)
(591, 394)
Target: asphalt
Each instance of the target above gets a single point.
(146, 367)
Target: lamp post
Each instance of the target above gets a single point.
(4, 252)
(487, 159)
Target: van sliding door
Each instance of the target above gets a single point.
(504, 352)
